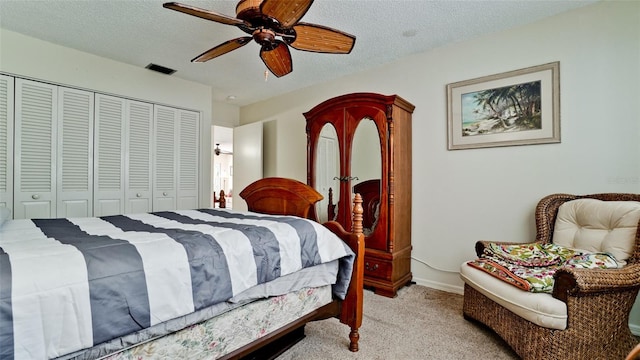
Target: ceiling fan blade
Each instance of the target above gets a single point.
(278, 60)
(222, 49)
(318, 38)
(286, 12)
(205, 14)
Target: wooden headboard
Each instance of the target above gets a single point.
(280, 196)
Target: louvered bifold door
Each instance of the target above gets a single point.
(35, 150)
(139, 122)
(75, 153)
(188, 151)
(109, 145)
(165, 152)
(6, 141)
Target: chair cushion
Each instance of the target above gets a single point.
(541, 309)
(598, 226)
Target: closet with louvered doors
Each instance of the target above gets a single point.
(66, 152)
(188, 159)
(123, 138)
(6, 141)
(176, 149)
(138, 158)
(53, 128)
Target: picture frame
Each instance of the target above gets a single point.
(519, 107)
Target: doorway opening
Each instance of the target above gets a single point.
(222, 166)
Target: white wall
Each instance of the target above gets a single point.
(32, 58)
(225, 114)
(465, 195)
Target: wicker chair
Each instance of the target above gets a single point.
(634, 354)
(598, 302)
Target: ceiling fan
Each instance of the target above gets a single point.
(219, 151)
(274, 24)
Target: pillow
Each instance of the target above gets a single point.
(5, 214)
(598, 226)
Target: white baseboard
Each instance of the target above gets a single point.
(439, 286)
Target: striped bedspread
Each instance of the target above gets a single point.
(69, 284)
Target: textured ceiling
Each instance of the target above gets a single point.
(139, 32)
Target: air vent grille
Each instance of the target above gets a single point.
(160, 69)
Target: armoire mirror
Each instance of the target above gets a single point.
(366, 164)
(327, 170)
(362, 173)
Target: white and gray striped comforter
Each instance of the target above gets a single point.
(70, 284)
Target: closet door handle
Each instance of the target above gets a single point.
(35, 196)
(138, 195)
(164, 194)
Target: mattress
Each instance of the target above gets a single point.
(222, 328)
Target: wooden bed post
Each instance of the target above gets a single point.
(351, 313)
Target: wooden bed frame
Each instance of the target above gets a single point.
(281, 196)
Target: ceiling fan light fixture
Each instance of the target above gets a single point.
(275, 25)
(264, 37)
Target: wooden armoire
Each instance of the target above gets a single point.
(363, 141)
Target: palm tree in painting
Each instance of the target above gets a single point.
(516, 105)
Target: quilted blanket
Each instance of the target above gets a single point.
(531, 267)
(69, 284)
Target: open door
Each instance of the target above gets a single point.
(222, 164)
(247, 160)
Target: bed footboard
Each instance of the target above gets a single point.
(291, 197)
(351, 309)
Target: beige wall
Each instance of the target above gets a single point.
(39, 60)
(466, 195)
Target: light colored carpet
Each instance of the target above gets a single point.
(420, 323)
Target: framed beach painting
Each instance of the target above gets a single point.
(520, 107)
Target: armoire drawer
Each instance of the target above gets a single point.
(377, 268)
